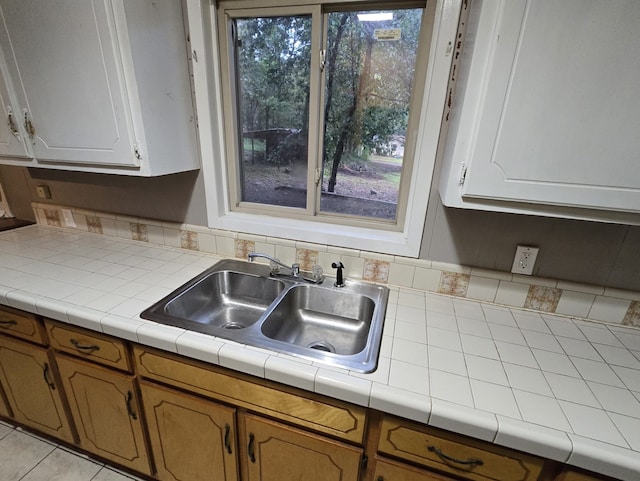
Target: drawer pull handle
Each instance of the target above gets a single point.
(227, 438)
(83, 348)
(6, 323)
(45, 374)
(130, 410)
(252, 454)
(444, 457)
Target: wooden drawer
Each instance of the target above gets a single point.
(447, 452)
(328, 416)
(386, 470)
(572, 475)
(89, 345)
(21, 324)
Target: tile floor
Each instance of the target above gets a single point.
(26, 457)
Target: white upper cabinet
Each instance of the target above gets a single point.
(548, 110)
(100, 86)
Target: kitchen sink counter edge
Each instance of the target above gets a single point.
(103, 283)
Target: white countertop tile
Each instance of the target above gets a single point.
(463, 420)
(485, 369)
(571, 389)
(534, 439)
(592, 423)
(342, 386)
(494, 398)
(601, 457)
(541, 410)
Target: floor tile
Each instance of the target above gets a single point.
(108, 474)
(20, 453)
(62, 465)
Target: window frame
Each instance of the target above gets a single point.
(441, 27)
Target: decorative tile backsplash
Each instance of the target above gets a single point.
(545, 295)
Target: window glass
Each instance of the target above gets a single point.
(273, 56)
(369, 71)
(321, 104)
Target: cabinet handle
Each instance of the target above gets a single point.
(130, 410)
(227, 438)
(28, 126)
(444, 457)
(45, 374)
(252, 455)
(12, 124)
(6, 323)
(83, 348)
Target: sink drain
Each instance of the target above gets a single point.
(321, 346)
(233, 325)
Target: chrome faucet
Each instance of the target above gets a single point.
(294, 268)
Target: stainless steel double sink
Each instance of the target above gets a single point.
(240, 301)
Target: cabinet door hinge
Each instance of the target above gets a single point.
(136, 152)
(463, 175)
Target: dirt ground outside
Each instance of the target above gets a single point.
(364, 189)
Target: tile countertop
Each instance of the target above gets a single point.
(561, 388)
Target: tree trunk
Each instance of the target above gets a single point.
(346, 129)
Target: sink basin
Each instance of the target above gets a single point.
(322, 319)
(239, 301)
(226, 299)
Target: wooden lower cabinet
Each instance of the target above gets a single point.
(192, 439)
(387, 470)
(28, 378)
(104, 406)
(276, 452)
(4, 407)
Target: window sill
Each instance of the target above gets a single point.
(374, 240)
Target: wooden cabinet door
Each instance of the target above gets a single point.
(192, 439)
(104, 406)
(64, 60)
(275, 452)
(4, 408)
(391, 471)
(26, 373)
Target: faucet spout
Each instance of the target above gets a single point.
(294, 268)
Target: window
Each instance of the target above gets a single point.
(325, 117)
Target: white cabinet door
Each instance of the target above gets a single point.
(11, 136)
(557, 119)
(65, 62)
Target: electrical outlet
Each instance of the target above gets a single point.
(525, 260)
(43, 192)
